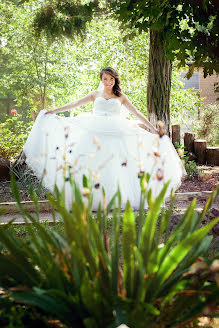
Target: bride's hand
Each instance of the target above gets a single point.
(155, 131)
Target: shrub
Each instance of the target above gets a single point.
(27, 180)
(13, 134)
(192, 170)
(191, 167)
(140, 276)
(207, 125)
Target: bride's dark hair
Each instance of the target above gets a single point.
(116, 88)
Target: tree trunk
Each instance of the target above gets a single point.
(212, 155)
(189, 141)
(159, 82)
(175, 134)
(200, 150)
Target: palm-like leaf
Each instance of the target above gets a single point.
(82, 279)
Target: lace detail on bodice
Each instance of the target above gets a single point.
(104, 107)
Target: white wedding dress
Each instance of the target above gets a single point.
(104, 146)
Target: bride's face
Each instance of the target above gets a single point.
(108, 81)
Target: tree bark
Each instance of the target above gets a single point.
(200, 150)
(189, 141)
(175, 134)
(212, 155)
(159, 82)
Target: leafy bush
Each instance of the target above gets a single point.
(13, 134)
(19, 316)
(207, 125)
(27, 180)
(184, 103)
(192, 170)
(140, 276)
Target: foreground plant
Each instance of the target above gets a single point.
(88, 277)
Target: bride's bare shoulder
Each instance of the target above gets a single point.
(95, 94)
(123, 98)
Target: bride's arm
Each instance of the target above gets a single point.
(88, 98)
(139, 115)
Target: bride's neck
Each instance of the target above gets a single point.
(108, 93)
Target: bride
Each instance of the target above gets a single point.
(104, 146)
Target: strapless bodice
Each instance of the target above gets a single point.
(104, 107)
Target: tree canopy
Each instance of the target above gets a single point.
(190, 28)
(40, 73)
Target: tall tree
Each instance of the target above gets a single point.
(183, 30)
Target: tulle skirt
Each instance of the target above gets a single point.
(110, 150)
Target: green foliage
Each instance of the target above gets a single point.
(13, 134)
(41, 74)
(192, 170)
(189, 31)
(64, 18)
(30, 69)
(206, 127)
(27, 180)
(184, 103)
(86, 280)
(20, 316)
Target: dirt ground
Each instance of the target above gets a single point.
(207, 181)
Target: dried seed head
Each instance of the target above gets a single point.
(160, 174)
(215, 266)
(160, 124)
(59, 168)
(156, 154)
(95, 141)
(160, 128)
(140, 173)
(85, 192)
